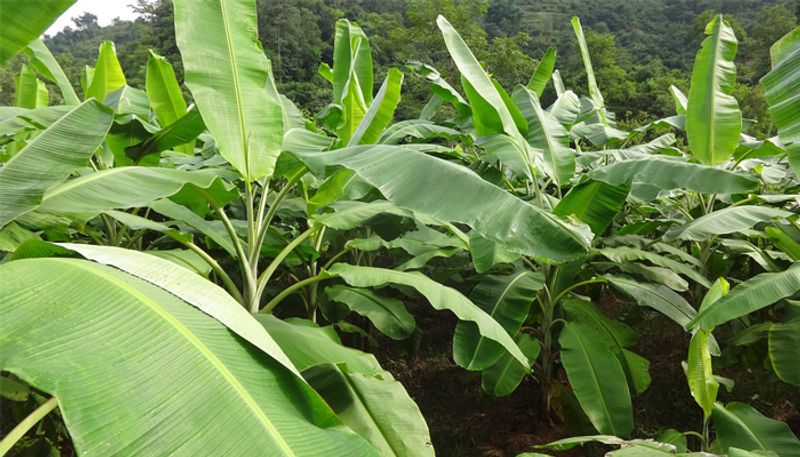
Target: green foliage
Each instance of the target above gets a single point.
(164, 230)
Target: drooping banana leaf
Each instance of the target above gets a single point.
(627, 254)
(448, 192)
(25, 21)
(507, 299)
(388, 315)
(713, 119)
(231, 81)
(666, 174)
(125, 187)
(127, 362)
(51, 157)
(179, 135)
(597, 379)
(725, 221)
(656, 296)
(440, 297)
(782, 92)
(740, 425)
(617, 337)
(367, 398)
(417, 129)
(184, 215)
(756, 293)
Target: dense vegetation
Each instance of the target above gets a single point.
(196, 221)
(638, 46)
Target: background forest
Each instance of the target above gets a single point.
(638, 47)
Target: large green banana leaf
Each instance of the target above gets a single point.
(741, 426)
(713, 119)
(25, 21)
(175, 279)
(597, 379)
(448, 192)
(725, 221)
(64, 147)
(230, 78)
(46, 65)
(782, 86)
(756, 293)
(667, 173)
(125, 187)
(440, 297)
(107, 76)
(124, 358)
(364, 395)
(507, 299)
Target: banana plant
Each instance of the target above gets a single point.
(616, 193)
(111, 190)
(740, 430)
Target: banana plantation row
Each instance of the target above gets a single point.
(176, 276)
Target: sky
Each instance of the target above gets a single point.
(105, 10)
